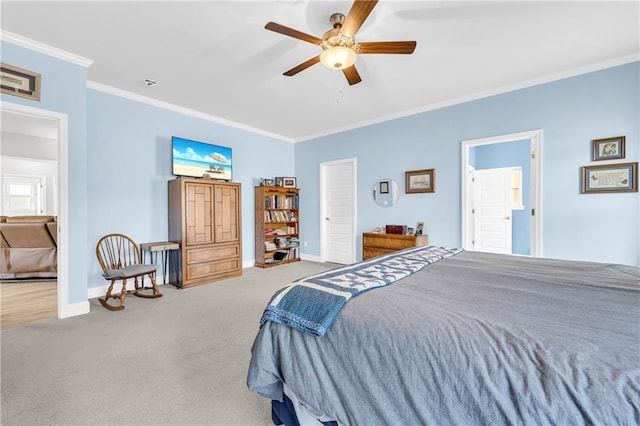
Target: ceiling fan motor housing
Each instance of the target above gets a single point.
(336, 20)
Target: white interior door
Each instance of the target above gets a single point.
(337, 211)
(492, 210)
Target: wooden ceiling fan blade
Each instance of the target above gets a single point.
(272, 26)
(352, 75)
(398, 47)
(303, 66)
(356, 16)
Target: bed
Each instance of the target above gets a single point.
(468, 339)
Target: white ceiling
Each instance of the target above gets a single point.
(216, 57)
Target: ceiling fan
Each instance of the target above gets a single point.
(339, 47)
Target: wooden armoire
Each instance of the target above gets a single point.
(205, 218)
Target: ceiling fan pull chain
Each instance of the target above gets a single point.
(338, 80)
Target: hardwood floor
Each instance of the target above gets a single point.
(26, 302)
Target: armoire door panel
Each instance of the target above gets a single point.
(226, 214)
(199, 214)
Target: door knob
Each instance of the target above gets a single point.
(507, 218)
(326, 218)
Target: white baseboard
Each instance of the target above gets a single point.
(73, 309)
(311, 258)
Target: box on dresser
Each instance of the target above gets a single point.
(396, 229)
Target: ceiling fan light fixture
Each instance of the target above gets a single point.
(338, 57)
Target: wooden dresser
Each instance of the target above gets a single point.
(376, 244)
(205, 218)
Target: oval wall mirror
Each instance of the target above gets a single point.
(386, 192)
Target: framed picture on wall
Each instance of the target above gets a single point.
(608, 148)
(418, 181)
(610, 178)
(19, 82)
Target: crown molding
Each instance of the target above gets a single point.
(182, 110)
(36, 46)
(574, 72)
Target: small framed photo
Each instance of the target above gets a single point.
(610, 178)
(19, 82)
(608, 148)
(277, 181)
(409, 231)
(419, 181)
(419, 228)
(266, 182)
(384, 187)
(289, 182)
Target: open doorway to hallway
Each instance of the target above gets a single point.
(30, 177)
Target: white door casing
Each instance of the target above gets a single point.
(492, 211)
(338, 211)
(535, 142)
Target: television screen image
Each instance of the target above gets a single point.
(199, 159)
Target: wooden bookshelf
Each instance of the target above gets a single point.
(277, 226)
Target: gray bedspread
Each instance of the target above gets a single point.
(476, 339)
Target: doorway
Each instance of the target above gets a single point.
(22, 122)
(338, 211)
(529, 217)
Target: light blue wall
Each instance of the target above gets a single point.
(129, 164)
(119, 163)
(511, 154)
(571, 112)
(63, 90)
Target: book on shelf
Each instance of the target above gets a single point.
(289, 201)
(293, 253)
(271, 216)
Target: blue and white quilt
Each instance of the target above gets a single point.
(312, 303)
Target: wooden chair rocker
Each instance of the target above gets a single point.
(120, 259)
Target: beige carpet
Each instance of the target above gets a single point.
(180, 359)
(27, 302)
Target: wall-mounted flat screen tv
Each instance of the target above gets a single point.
(200, 159)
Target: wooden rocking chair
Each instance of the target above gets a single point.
(120, 259)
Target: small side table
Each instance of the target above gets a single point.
(153, 248)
